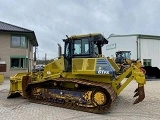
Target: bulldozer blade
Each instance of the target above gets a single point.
(21, 91)
(13, 95)
(140, 93)
(25, 81)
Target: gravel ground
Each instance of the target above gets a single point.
(122, 109)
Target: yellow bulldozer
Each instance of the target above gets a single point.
(124, 61)
(81, 78)
(123, 57)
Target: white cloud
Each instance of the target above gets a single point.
(53, 19)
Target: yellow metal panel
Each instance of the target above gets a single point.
(114, 65)
(92, 77)
(78, 64)
(16, 83)
(91, 64)
(83, 66)
(1, 78)
(50, 77)
(54, 67)
(85, 35)
(85, 72)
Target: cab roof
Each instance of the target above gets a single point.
(96, 37)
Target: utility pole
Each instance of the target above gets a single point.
(45, 58)
(34, 59)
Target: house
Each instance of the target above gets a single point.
(143, 47)
(16, 49)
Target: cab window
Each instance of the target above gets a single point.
(81, 46)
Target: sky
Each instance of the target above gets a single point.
(52, 20)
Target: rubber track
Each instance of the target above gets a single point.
(97, 110)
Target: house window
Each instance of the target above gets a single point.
(147, 62)
(19, 41)
(19, 62)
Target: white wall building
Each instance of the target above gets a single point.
(143, 47)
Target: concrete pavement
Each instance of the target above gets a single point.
(122, 109)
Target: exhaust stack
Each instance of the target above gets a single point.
(59, 50)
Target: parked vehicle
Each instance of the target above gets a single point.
(39, 67)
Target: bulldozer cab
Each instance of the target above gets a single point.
(82, 46)
(123, 57)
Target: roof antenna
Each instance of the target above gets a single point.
(110, 36)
